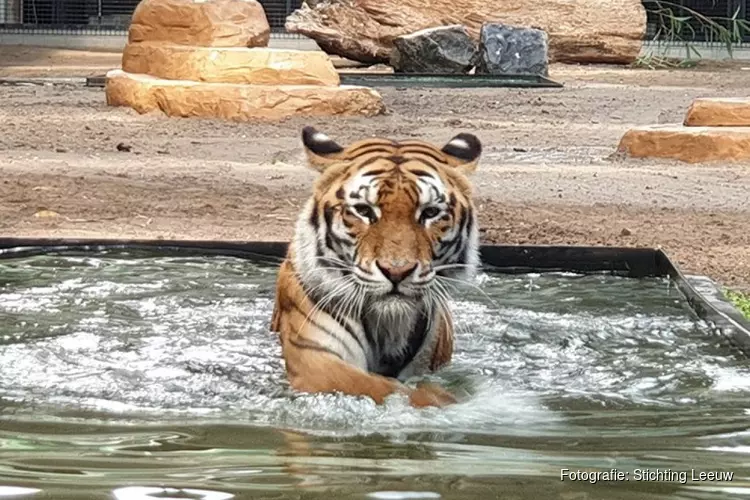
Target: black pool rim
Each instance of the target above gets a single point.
(702, 294)
(418, 80)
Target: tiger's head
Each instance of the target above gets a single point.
(387, 218)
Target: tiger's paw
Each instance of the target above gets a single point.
(429, 394)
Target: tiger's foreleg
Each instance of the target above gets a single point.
(312, 370)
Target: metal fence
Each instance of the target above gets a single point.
(61, 17)
(98, 16)
(700, 14)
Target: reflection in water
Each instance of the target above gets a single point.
(131, 369)
(145, 493)
(16, 491)
(402, 495)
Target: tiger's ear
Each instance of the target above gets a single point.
(320, 149)
(463, 152)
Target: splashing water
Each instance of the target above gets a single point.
(126, 367)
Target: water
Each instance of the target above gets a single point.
(127, 376)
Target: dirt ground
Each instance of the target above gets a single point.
(548, 175)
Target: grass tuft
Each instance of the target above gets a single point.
(740, 300)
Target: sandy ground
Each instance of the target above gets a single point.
(548, 174)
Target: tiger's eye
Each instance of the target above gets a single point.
(430, 213)
(365, 211)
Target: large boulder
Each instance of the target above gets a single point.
(239, 102)
(207, 23)
(260, 66)
(582, 31)
(687, 144)
(719, 112)
(448, 49)
(511, 50)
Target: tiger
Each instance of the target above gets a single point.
(359, 306)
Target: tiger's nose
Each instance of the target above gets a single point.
(396, 273)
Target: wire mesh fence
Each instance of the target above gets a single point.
(104, 17)
(696, 20)
(99, 16)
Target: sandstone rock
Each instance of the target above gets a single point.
(511, 50)
(719, 112)
(238, 102)
(688, 144)
(582, 31)
(207, 23)
(261, 66)
(448, 49)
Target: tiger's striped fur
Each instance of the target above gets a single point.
(359, 303)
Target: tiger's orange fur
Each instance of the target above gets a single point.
(359, 305)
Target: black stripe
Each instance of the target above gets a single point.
(314, 222)
(427, 152)
(450, 247)
(333, 238)
(469, 222)
(421, 173)
(374, 145)
(412, 194)
(462, 257)
(313, 347)
(464, 218)
(446, 244)
(347, 328)
(428, 162)
(377, 171)
(324, 330)
(328, 216)
(318, 249)
(378, 151)
(333, 263)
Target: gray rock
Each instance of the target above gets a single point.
(510, 50)
(445, 49)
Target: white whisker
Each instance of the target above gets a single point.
(445, 279)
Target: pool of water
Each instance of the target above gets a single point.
(131, 376)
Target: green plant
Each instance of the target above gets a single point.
(740, 300)
(674, 26)
(653, 61)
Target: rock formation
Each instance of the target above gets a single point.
(719, 112)
(448, 49)
(239, 102)
(209, 58)
(225, 23)
(716, 129)
(261, 65)
(688, 144)
(509, 50)
(580, 31)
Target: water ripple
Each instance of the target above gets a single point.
(556, 370)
